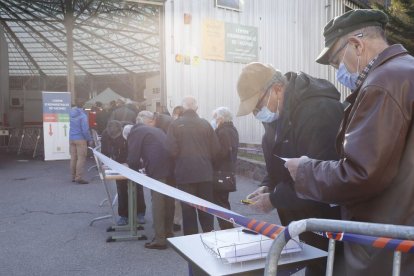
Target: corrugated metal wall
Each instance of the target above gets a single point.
(290, 38)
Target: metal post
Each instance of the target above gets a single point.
(161, 32)
(396, 264)
(331, 257)
(69, 23)
(274, 254)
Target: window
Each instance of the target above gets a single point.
(236, 5)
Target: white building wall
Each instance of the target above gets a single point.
(290, 38)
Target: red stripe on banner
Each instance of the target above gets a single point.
(267, 230)
(258, 227)
(405, 246)
(381, 242)
(277, 232)
(251, 223)
(334, 236)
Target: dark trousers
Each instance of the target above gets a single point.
(122, 190)
(221, 198)
(202, 190)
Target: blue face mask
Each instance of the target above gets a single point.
(266, 116)
(213, 123)
(346, 78)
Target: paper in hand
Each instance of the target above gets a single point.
(283, 160)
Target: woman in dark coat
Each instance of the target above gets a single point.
(225, 162)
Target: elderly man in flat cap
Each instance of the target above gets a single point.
(374, 179)
(301, 116)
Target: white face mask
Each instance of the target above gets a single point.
(267, 116)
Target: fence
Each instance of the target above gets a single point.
(27, 140)
(349, 231)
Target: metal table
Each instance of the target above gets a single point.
(202, 262)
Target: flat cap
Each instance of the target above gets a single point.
(253, 81)
(346, 23)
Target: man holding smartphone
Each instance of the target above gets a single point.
(301, 116)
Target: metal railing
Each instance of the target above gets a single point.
(26, 140)
(325, 225)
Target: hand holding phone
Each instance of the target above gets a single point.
(246, 201)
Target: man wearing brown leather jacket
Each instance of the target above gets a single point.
(373, 180)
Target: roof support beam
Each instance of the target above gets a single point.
(99, 37)
(43, 37)
(21, 46)
(77, 41)
(69, 23)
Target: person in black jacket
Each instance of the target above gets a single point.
(149, 144)
(102, 116)
(225, 161)
(114, 146)
(193, 143)
(124, 112)
(301, 115)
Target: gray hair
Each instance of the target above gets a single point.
(278, 78)
(224, 113)
(126, 131)
(189, 102)
(144, 116)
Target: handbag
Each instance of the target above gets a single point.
(224, 181)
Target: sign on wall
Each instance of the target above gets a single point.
(229, 42)
(56, 107)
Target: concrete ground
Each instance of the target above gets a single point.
(44, 225)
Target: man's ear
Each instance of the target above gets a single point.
(358, 44)
(278, 89)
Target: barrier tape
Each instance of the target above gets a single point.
(267, 229)
(405, 246)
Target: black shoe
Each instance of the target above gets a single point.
(81, 181)
(73, 180)
(176, 227)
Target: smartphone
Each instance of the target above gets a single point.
(246, 201)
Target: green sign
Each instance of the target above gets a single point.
(240, 43)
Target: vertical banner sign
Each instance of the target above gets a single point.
(56, 107)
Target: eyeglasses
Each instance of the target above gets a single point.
(332, 60)
(258, 105)
(335, 63)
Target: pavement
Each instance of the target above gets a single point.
(44, 224)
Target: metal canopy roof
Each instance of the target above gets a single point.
(109, 37)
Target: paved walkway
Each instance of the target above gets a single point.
(44, 225)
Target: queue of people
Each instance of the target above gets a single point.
(352, 164)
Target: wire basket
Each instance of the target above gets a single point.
(234, 245)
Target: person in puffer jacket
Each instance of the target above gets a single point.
(79, 137)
